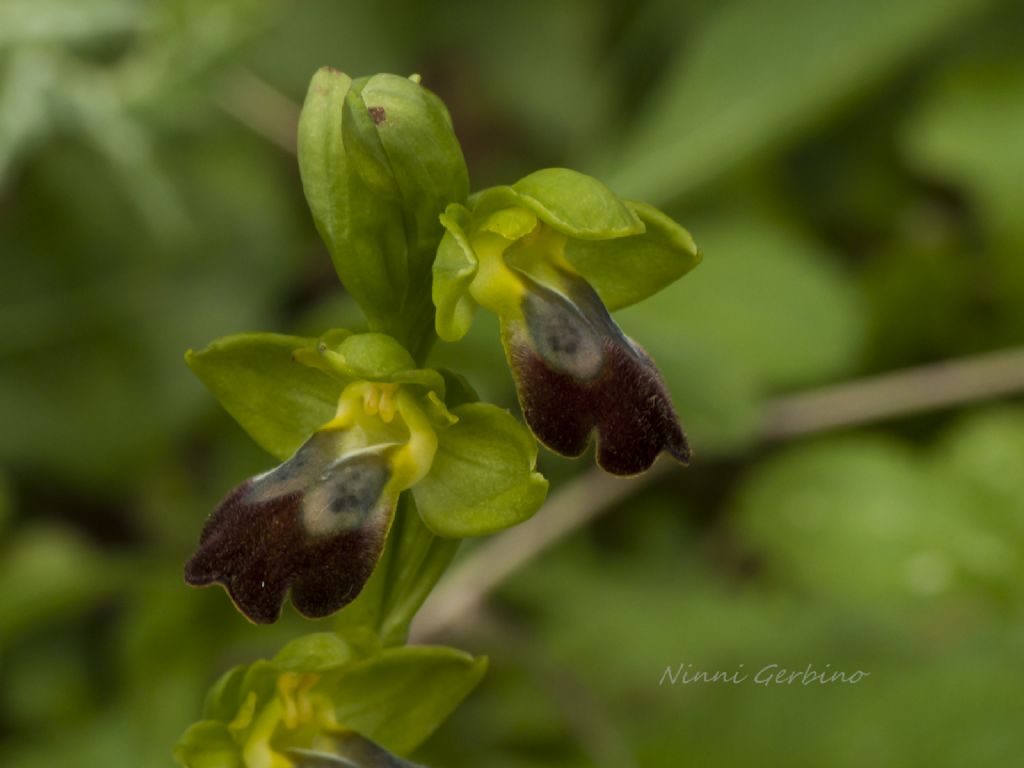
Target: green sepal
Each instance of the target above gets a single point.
(401, 696)
(280, 389)
(369, 357)
(455, 267)
(274, 398)
(629, 269)
(208, 744)
(483, 477)
(569, 202)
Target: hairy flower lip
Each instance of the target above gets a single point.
(578, 375)
(312, 526)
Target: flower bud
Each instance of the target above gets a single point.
(379, 163)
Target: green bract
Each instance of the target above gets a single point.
(329, 697)
(332, 402)
(379, 163)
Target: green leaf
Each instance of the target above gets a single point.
(400, 697)
(629, 269)
(277, 400)
(968, 132)
(483, 477)
(775, 302)
(49, 573)
(757, 73)
(568, 201)
(864, 505)
(45, 22)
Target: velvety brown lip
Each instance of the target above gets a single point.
(613, 389)
(259, 545)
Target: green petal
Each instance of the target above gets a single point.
(567, 201)
(483, 477)
(454, 269)
(277, 400)
(400, 697)
(629, 269)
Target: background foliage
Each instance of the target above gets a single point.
(853, 172)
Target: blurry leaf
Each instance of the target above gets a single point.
(968, 132)
(45, 21)
(46, 678)
(278, 401)
(6, 509)
(556, 45)
(46, 573)
(983, 456)
(93, 106)
(819, 513)
(27, 77)
(345, 33)
(774, 301)
(766, 310)
(482, 479)
(758, 72)
(400, 697)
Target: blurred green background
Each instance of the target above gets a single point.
(853, 171)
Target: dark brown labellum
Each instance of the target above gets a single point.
(577, 373)
(315, 525)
